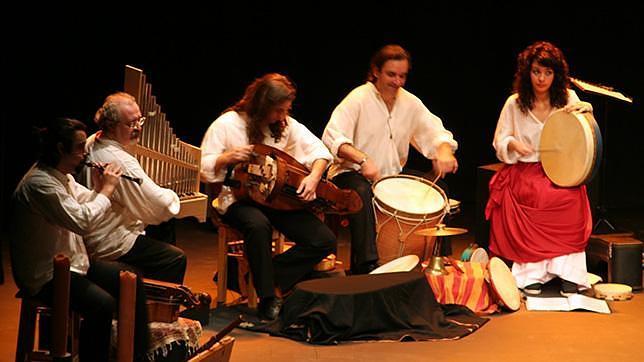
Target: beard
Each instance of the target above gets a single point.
(277, 128)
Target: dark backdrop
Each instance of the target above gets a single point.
(199, 61)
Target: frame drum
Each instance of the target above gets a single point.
(402, 205)
(504, 287)
(613, 291)
(570, 148)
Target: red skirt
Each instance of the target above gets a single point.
(532, 219)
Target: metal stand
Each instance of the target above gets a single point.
(602, 225)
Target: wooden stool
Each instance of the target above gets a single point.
(56, 319)
(225, 235)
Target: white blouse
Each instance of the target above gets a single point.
(513, 124)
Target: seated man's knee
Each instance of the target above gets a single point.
(259, 227)
(326, 240)
(103, 307)
(365, 192)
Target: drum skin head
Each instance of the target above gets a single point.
(613, 291)
(570, 148)
(403, 264)
(503, 283)
(479, 255)
(412, 195)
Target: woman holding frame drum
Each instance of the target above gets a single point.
(543, 228)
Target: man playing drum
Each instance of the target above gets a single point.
(539, 226)
(369, 133)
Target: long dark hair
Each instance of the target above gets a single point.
(54, 132)
(547, 55)
(259, 99)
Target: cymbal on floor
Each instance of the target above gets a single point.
(441, 230)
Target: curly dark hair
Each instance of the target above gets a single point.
(259, 98)
(547, 55)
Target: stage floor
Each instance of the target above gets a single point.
(523, 335)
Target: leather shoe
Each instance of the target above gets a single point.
(568, 288)
(269, 308)
(365, 268)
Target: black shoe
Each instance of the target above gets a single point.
(365, 268)
(533, 289)
(269, 308)
(568, 288)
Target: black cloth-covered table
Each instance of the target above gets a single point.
(392, 306)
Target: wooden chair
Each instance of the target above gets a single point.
(36, 316)
(217, 352)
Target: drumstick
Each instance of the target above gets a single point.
(454, 264)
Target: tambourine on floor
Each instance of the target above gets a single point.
(612, 291)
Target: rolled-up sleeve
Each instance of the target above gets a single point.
(212, 146)
(341, 127)
(309, 147)
(430, 133)
(148, 202)
(504, 134)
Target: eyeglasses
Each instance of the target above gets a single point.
(137, 122)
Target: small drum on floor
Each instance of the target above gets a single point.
(570, 148)
(479, 255)
(403, 264)
(504, 287)
(613, 291)
(402, 205)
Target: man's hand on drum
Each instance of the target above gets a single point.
(520, 148)
(580, 106)
(445, 161)
(370, 171)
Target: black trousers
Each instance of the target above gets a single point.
(95, 296)
(156, 260)
(362, 225)
(313, 241)
(165, 231)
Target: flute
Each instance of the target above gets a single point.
(101, 168)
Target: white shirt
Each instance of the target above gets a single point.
(229, 131)
(133, 206)
(363, 120)
(51, 213)
(525, 127)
